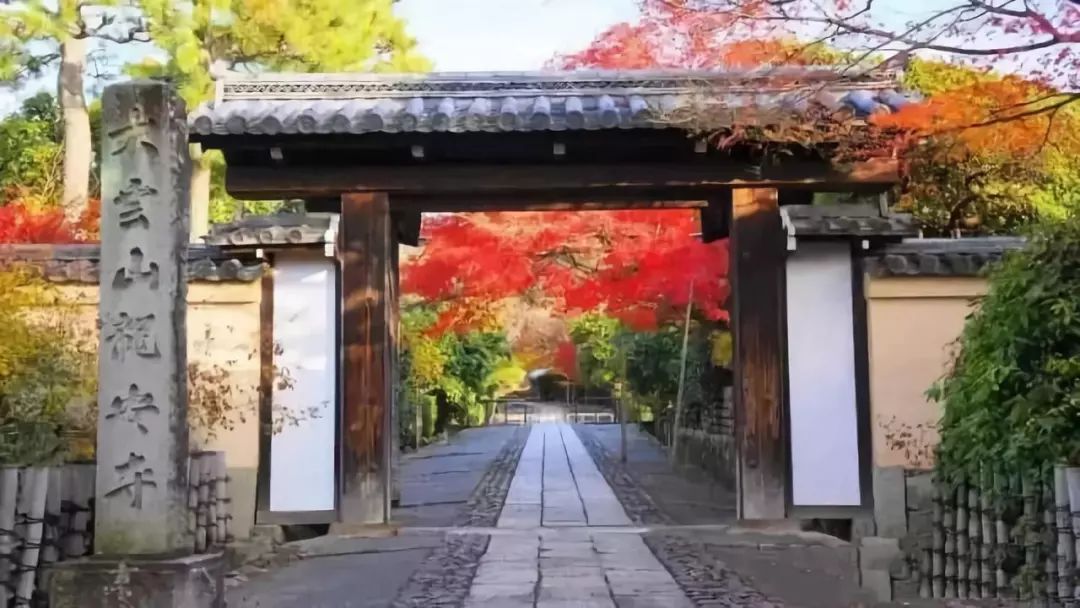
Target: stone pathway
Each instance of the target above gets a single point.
(546, 515)
(563, 539)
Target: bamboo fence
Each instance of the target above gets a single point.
(46, 517)
(1004, 537)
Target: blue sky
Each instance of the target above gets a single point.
(476, 35)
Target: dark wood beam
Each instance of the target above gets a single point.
(757, 253)
(510, 202)
(247, 182)
(796, 197)
(547, 200)
(367, 312)
(407, 228)
(716, 217)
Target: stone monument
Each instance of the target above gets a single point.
(142, 544)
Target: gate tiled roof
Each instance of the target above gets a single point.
(288, 104)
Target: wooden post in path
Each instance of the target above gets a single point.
(673, 457)
(621, 405)
(368, 375)
(757, 269)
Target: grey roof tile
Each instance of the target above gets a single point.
(544, 101)
(847, 220)
(283, 229)
(79, 263)
(965, 257)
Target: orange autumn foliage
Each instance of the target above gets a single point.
(22, 224)
(1005, 116)
(1039, 40)
(667, 43)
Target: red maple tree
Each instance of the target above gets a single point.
(22, 224)
(636, 265)
(667, 39)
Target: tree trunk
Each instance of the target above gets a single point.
(200, 193)
(78, 147)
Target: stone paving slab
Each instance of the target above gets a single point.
(567, 540)
(520, 516)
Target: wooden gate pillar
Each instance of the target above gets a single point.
(368, 363)
(757, 269)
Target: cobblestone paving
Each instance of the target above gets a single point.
(445, 576)
(701, 574)
(641, 509)
(486, 502)
(564, 539)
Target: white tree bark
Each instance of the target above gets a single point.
(78, 147)
(200, 193)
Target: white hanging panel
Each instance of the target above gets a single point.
(821, 376)
(302, 471)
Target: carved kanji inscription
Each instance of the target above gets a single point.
(129, 203)
(134, 478)
(133, 407)
(134, 134)
(130, 334)
(137, 271)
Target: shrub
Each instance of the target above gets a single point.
(43, 370)
(1012, 397)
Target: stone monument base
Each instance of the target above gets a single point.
(193, 581)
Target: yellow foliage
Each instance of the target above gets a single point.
(44, 368)
(721, 347)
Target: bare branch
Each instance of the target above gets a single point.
(970, 10)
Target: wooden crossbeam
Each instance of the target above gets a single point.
(583, 180)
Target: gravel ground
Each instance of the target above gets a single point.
(443, 580)
(483, 507)
(702, 577)
(639, 507)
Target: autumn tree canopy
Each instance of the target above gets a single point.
(635, 265)
(1039, 37)
(993, 137)
(1035, 42)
